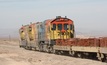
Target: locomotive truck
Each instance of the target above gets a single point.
(58, 36)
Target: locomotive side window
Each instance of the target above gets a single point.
(22, 35)
(71, 26)
(30, 29)
(59, 26)
(53, 27)
(21, 31)
(65, 26)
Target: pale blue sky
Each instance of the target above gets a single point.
(89, 16)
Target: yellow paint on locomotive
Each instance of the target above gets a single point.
(31, 32)
(22, 34)
(56, 34)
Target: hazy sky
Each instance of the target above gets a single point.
(89, 16)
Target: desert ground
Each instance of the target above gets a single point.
(12, 54)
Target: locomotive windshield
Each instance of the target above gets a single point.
(71, 26)
(54, 27)
(65, 26)
(59, 26)
(22, 31)
(30, 29)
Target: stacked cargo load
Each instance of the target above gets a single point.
(92, 42)
(103, 41)
(67, 42)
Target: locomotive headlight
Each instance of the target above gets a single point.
(30, 29)
(52, 26)
(67, 26)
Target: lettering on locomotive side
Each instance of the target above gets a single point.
(63, 33)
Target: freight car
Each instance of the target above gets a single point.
(58, 36)
(91, 47)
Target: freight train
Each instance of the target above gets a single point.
(58, 36)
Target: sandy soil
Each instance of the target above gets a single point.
(11, 54)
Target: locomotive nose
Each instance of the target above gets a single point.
(62, 31)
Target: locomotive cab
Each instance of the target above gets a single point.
(22, 34)
(62, 28)
(31, 31)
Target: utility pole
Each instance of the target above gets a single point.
(9, 38)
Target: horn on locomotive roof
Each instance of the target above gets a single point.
(30, 22)
(65, 16)
(58, 16)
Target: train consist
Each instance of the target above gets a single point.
(58, 36)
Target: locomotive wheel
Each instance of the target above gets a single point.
(47, 50)
(73, 54)
(51, 49)
(35, 48)
(41, 47)
(20, 46)
(58, 52)
(29, 48)
(80, 55)
(105, 58)
(101, 57)
(26, 47)
(54, 51)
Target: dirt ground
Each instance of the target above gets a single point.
(11, 54)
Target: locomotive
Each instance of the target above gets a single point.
(58, 36)
(43, 35)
